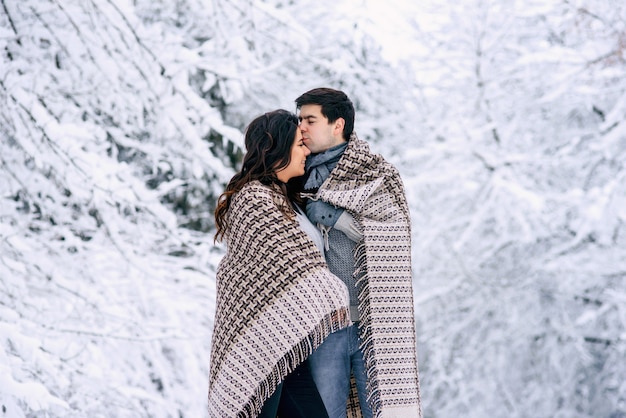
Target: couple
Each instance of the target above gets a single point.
(314, 312)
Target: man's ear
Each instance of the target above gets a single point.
(338, 126)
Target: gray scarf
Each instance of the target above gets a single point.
(319, 166)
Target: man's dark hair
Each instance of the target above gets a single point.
(335, 104)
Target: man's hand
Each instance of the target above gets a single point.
(349, 226)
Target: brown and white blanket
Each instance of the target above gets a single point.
(276, 302)
(371, 189)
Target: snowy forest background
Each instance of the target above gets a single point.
(121, 120)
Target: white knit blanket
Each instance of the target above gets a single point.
(276, 302)
(372, 190)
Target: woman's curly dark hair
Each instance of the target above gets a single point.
(268, 141)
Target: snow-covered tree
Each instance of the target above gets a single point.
(106, 303)
(519, 201)
(120, 122)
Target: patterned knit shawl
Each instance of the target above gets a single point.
(276, 302)
(372, 190)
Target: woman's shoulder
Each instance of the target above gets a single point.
(255, 187)
(253, 193)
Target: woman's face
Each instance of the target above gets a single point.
(299, 152)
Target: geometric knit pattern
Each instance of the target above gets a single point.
(340, 259)
(276, 302)
(372, 190)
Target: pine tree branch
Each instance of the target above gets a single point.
(137, 38)
(6, 10)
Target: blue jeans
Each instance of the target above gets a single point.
(331, 364)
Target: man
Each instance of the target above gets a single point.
(357, 199)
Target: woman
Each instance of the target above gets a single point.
(276, 299)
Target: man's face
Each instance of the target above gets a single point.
(317, 133)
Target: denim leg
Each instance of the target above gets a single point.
(330, 367)
(358, 369)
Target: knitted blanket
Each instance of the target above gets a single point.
(276, 302)
(372, 190)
